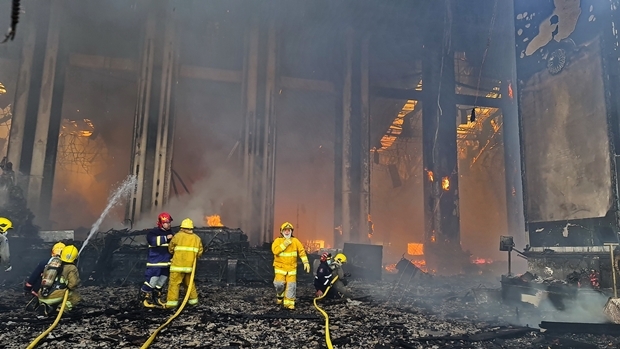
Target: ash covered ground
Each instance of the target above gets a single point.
(395, 313)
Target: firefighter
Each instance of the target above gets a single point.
(67, 280)
(34, 281)
(185, 247)
(286, 249)
(158, 262)
(329, 273)
(5, 252)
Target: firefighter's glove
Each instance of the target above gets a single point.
(347, 275)
(287, 242)
(318, 293)
(9, 268)
(27, 290)
(307, 267)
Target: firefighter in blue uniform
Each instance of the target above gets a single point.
(158, 262)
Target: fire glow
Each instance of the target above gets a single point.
(213, 221)
(445, 183)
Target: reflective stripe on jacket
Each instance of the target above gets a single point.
(185, 246)
(285, 257)
(158, 248)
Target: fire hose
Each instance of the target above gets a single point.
(328, 340)
(49, 329)
(189, 287)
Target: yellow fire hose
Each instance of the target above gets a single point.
(49, 329)
(189, 287)
(328, 340)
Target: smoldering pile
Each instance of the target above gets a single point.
(463, 312)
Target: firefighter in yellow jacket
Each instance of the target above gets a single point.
(285, 251)
(185, 247)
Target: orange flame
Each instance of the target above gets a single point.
(213, 221)
(445, 183)
(430, 175)
(510, 93)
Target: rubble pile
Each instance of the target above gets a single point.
(400, 312)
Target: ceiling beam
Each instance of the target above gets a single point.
(405, 94)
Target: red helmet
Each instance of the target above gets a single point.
(325, 256)
(163, 217)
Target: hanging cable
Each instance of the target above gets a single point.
(15, 8)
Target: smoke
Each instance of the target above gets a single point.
(210, 195)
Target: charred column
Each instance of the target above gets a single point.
(165, 123)
(141, 119)
(355, 142)
(259, 136)
(153, 125)
(510, 125)
(441, 211)
(44, 112)
(26, 78)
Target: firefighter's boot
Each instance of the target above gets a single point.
(157, 298)
(148, 300)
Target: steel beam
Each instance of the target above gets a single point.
(164, 143)
(201, 73)
(399, 93)
(141, 119)
(18, 122)
(44, 111)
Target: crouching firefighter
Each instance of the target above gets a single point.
(285, 250)
(186, 247)
(158, 262)
(32, 286)
(330, 273)
(60, 276)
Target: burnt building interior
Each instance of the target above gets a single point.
(427, 129)
(278, 120)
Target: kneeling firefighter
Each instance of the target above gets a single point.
(67, 279)
(330, 273)
(285, 250)
(33, 284)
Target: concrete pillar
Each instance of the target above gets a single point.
(269, 134)
(355, 183)
(141, 120)
(365, 233)
(510, 132)
(260, 86)
(250, 95)
(18, 121)
(441, 210)
(44, 111)
(165, 124)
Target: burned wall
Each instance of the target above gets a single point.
(563, 111)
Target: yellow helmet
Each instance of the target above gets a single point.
(286, 225)
(57, 249)
(340, 257)
(187, 224)
(5, 224)
(69, 254)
